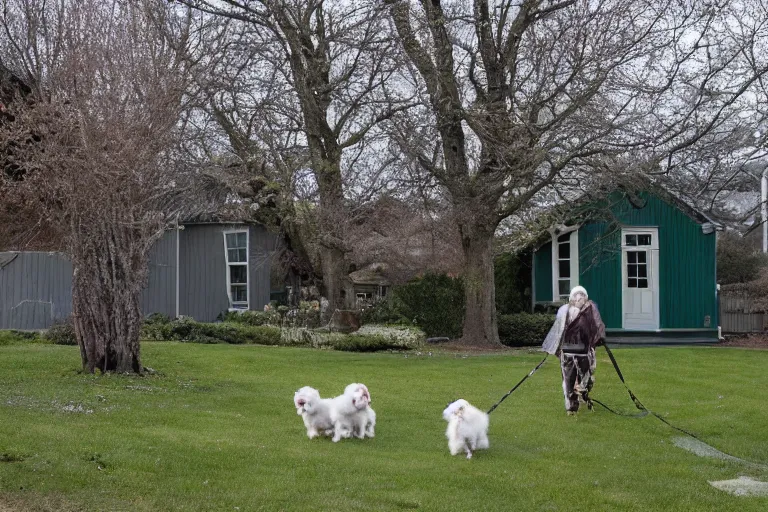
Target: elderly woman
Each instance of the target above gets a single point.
(578, 329)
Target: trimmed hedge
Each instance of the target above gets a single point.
(13, 337)
(252, 317)
(370, 338)
(62, 333)
(524, 329)
(363, 343)
(298, 317)
(367, 339)
(187, 330)
(155, 327)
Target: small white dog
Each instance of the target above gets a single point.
(315, 411)
(364, 420)
(467, 427)
(351, 415)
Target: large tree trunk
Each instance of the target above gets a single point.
(332, 236)
(109, 273)
(480, 326)
(335, 279)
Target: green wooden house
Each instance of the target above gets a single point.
(648, 260)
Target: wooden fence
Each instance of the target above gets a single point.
(738, 313)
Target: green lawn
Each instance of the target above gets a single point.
(215, 429)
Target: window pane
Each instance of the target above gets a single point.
(641, 257)
(564, 238)
(238, 274)
(564, 268)
(564, 287)
(631, 270)
(564, 251)
(631, 239)
(632, 257)
(642, 271)
(237, 240)
(643, 239)
(632, 282)
(239, 293)
(241, 254)
(232, 256)
(642, 283)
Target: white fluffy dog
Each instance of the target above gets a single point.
(351, 414)
(467, 427)
(364, 420)
(315, 411)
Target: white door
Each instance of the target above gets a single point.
(640, 278)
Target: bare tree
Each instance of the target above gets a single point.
(108, 90)
(248, 139)
(524, 94)
(404, 236)
(725, 178)
(338, 59)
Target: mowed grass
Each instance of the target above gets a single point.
(215, 429)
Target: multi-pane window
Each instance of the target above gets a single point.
(637, 261)
(637, 240)
(637, 269)
(564, 266)
(237, 268)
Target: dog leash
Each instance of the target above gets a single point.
(644, 410)
(517, 385)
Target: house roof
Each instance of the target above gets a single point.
(632, 186)
(223, 196)
(215, 203)
(375, 274)
(692, 211)
(582, 209)
(217, 218)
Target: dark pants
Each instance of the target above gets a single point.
(578, 377)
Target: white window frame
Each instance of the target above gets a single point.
(237, 306)
(574, 262)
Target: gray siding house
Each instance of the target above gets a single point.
(199, 270)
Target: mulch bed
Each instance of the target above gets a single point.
(748, 341)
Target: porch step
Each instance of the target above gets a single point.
(652, 341)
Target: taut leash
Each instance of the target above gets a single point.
(517, 385)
